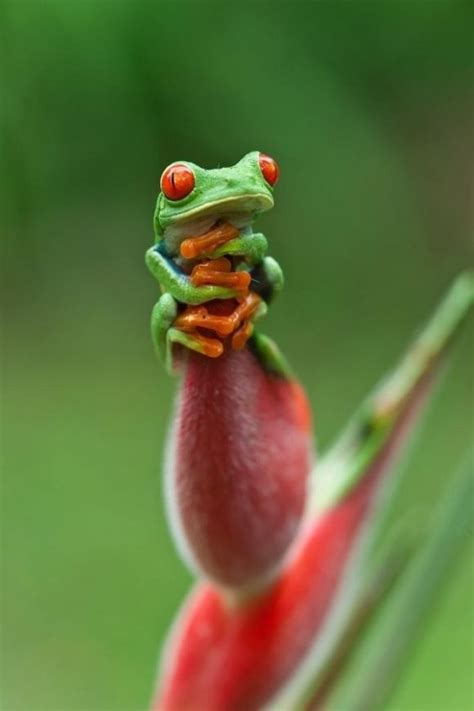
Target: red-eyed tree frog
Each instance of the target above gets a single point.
(193, 202)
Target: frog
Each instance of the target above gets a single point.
(194, 202)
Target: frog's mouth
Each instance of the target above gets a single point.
(240, 211)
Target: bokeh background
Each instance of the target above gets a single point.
(367, 106)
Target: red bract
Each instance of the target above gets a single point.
(240, 455)
(223, 657)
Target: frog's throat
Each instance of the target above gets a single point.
(241, 208)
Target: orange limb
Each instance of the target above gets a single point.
(246, 307)
(211, 347)
(195, 247)
(199, 317)
(244, 312)
(242, 335)
(217, 272)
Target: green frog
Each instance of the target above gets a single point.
(193, 206)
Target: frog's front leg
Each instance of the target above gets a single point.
(165, 336)
(251, 247)
(179, 285)
(267, 275)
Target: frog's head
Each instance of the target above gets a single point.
(193, 199)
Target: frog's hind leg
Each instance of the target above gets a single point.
(269, 355)
(210, 347)
(165, 335)
(162, 317)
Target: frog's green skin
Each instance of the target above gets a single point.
(238, 195)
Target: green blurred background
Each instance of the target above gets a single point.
(367, 106)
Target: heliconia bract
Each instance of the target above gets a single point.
(238, 462)
(226, 657)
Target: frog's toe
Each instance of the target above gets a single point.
(211, 347)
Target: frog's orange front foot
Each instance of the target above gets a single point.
(242, 335)
(198, 247)
(246, 309)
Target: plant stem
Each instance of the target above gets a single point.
(368, 430)
(384, 650)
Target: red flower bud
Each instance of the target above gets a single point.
(223, 657)
(240, 454)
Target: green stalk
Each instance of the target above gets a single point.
(385, 648)
(370, 427)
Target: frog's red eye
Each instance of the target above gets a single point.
(269, 168)
(177, 181)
